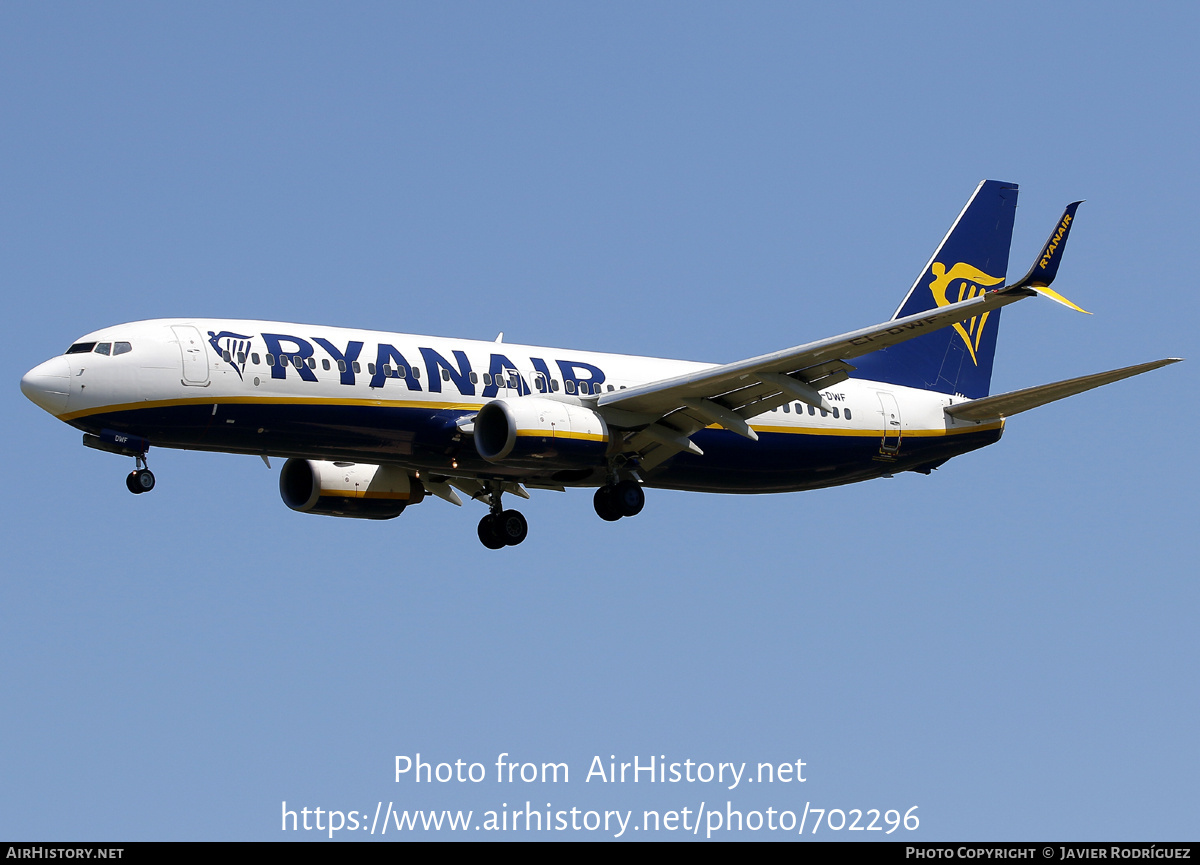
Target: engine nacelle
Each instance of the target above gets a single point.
(347, 489)
(540, 433)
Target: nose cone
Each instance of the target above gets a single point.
(48, 384)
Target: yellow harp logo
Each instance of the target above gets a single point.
(971, 281)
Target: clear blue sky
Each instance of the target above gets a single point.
(1009, 644)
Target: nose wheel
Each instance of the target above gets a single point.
(141, 479)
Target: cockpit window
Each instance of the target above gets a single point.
(81, 348)
(122, 348)
(104, 348)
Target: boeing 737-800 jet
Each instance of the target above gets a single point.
(371, 422)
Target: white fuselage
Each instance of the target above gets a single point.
(320, 392)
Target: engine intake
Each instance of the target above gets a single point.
(347, 489)
(540, 433)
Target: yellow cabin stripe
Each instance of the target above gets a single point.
(869, 433)
(462, 406)
(271, 400)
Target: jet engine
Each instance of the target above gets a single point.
(340, 489)
(540, 433)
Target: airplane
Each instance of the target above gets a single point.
(371, 423)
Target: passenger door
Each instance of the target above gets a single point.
(892, 430)
(194, 354)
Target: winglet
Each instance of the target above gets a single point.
(1045, 268)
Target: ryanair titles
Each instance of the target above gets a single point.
(1055, 239)
(288, 355)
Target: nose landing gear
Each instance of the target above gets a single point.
(141, 479)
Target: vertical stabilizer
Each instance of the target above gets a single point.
(971, 259)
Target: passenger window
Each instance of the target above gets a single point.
(104, 348)
(539, 383)
(297, 361)
(610, 387)
(358, 367)
(122, 348)
(416, 372)
(445, 375)
(622, 387)
(254, 358)
(811, 410)
(835, 411)
(474, 378)
(554, 385)
(387, 370)
(584, 387)
(847, 414)
(312, 363)
(824, 413)
(341, 366)
(324, 363)
(799, 408)
(225, 356)
(487, 378)
(371, 368)
(570, 387)
(787, 408)
(241, 357)
(270, 360)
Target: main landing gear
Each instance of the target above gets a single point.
(141, 479)
(501, 528)
(613, 501)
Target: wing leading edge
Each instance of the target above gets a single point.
(660, 417)
(666, 413)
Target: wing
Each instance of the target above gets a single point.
(658, 418)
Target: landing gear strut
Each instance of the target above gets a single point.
(624, 499)
(501, 528)
(141, 479)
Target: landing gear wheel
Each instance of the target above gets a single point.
(511, 527)
(628, 498)
(488, 536)
(606, 508)
(140, 481)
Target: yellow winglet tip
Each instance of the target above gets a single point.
(1046, 291)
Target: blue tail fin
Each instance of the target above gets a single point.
(972, 258)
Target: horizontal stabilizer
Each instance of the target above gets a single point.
(1007, 404)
